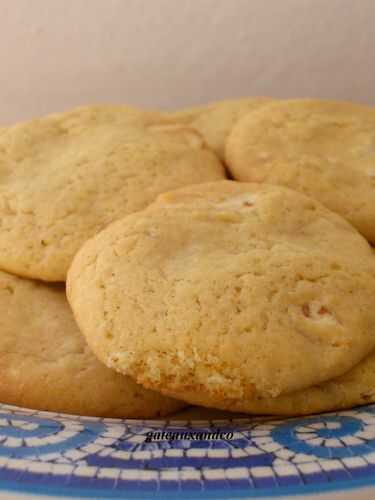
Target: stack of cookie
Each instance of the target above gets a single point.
(254, 294)
(63, 179)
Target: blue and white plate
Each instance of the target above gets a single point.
(75, 457)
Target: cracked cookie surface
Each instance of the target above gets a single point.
(223, 292)
(324, 149)
(63, 178)
(45, 363)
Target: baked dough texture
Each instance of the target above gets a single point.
(65, 177)
(324, 149)
(226, 292)
(45, 363)
(215, 121)
(356, 387)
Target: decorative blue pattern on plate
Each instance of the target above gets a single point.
(81, 456)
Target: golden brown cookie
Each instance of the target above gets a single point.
(224, 292)
(45, 363)
(321, 148)
(65, 177)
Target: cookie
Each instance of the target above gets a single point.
(65, 177)
(215, 121)
(323, 149)
(45, 363)
(356, 387)
(224, 292)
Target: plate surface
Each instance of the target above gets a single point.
(69, 456)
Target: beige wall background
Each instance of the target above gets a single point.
(56, 54)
